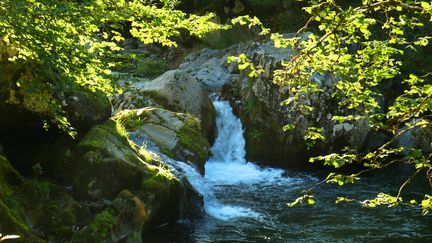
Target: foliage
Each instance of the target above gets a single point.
(73, 42)
(308, 199)
(361, 48)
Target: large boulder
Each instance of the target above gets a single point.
(29, 97)
(107, 168)
(178, 135)
(176, 90)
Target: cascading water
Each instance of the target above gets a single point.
(227, 166)
(247, 203)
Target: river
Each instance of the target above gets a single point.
(248, 203)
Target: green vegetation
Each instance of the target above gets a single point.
(56, 56)
(99, 229)
(74, 42)
(362, 48)
(150, 67)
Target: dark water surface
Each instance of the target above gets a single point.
(324, 221)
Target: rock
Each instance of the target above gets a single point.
(130, 219)
(26, 101)
(417, 138)
(122, 222)
(131, 97)
(178, 91)
(178, 135)
(258, 103)
(181, 92)
(84, 108)
(99, 230)
(51, 211)
(12, 213)
(105, 163)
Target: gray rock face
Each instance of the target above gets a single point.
(177, 90)
(258, 103)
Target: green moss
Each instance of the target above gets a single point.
(99, 229)
(131, 119)
(190, 138)
(167, 152)
(160, 180)
(12, 217)
(100, 136)
(38, 190)
(150, 67)
(12, 220)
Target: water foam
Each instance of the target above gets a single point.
(226, 167)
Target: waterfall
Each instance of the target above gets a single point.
(226, 167)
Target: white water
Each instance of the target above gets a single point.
(226, 167)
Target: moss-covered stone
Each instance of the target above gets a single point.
(12, 213)
(29, 97)
(52, 214)
(84, 108)
(105, 162)
(192, 144)
(178, 135)
(99, 229)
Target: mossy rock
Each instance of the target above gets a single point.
(84, 108)
(12, 213)
(51, 211)
(105, 162)
(178, 135)
(178, 91)
(98, 230)
(28, 98)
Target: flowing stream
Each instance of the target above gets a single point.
(247, 203)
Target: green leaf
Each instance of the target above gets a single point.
(288, 127)
(243, 66)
